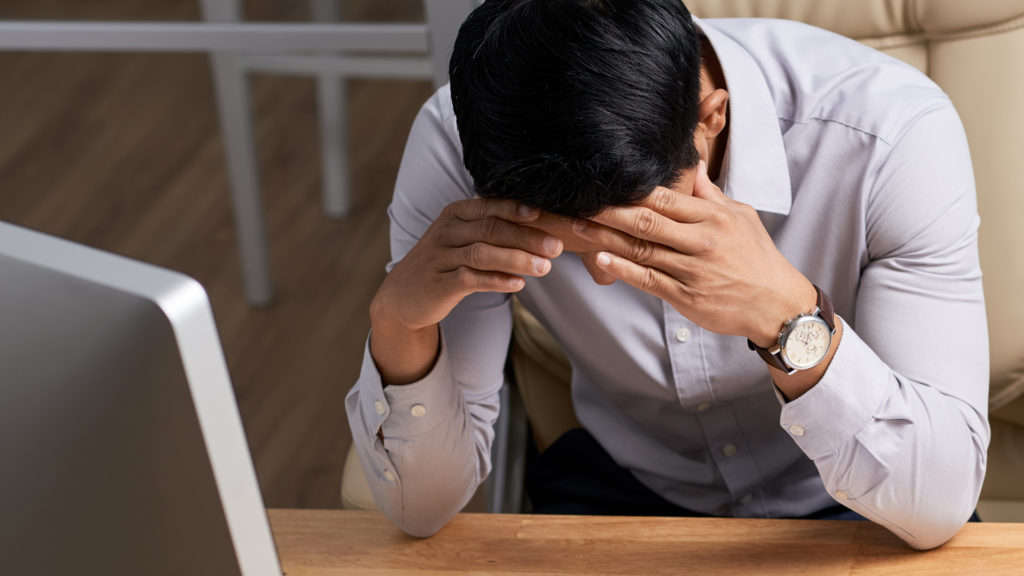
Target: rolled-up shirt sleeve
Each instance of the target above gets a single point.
(897, 426)
(425, 446)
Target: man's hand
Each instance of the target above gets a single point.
(706, 255)
(477, 245)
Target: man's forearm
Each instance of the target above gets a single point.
(899, 452)
(402, 356)
(421, 445)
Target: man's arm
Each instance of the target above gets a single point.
(895, 418)
(898, 425)
(423, 410)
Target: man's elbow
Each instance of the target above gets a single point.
(936, 527)
(935, 535)
(422, 517)
(417, 523)
(422, 527)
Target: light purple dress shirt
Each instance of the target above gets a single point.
(860, 171)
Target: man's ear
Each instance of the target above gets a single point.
(711, 113)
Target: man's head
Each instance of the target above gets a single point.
(572, 106)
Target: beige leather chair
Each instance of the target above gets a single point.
(975, 51)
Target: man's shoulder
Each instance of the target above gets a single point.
(816, 76)
(438, 112)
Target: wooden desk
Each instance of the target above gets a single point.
(344, 542)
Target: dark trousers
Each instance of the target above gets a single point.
(575, 475)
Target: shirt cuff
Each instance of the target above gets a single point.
(406, 410)
(846, 398)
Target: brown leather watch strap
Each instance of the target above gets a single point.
(773, 360)
(828, 313)
(773, 357)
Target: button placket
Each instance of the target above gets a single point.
(683, 346)
(725, 442)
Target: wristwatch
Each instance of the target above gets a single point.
(804, 341)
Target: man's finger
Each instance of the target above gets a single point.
(466, 280)
(499, 232)
(677, 206)
(650, 280)
(636, 249)
(561, 227)
(600, 276)
(488, 258)
(618, 229)
(480, 208)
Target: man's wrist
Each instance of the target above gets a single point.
(790, 303)
(403, 355)
(793, 386)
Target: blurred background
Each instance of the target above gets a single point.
(123, 152)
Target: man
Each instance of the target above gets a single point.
(673, 198)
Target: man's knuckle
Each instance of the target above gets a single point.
(649, 280)
(640, 250)
(489, 227)
(450, 211)
(522, 237)
(442, 231)
(697, 273)
(475, 255)
(478, 208)
(691, 294)
(662, 200)
(465, 279)
(717, 216)
(646, 223)
(681, 294)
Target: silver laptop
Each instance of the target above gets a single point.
(121, 448)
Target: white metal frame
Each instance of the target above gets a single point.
(414, 51)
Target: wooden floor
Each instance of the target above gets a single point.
(122, 152)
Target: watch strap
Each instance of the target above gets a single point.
(774, 359)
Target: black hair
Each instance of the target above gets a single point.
(572, 106)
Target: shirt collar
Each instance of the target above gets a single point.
(755, 170)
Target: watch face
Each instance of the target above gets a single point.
(807, 343)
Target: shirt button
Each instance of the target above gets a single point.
(796, 430)
(703, 407)
(379, 407)
(683, 335)
(418, 410)
(841, 495)
(746, 499)
(729, 449)
(389, 475)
